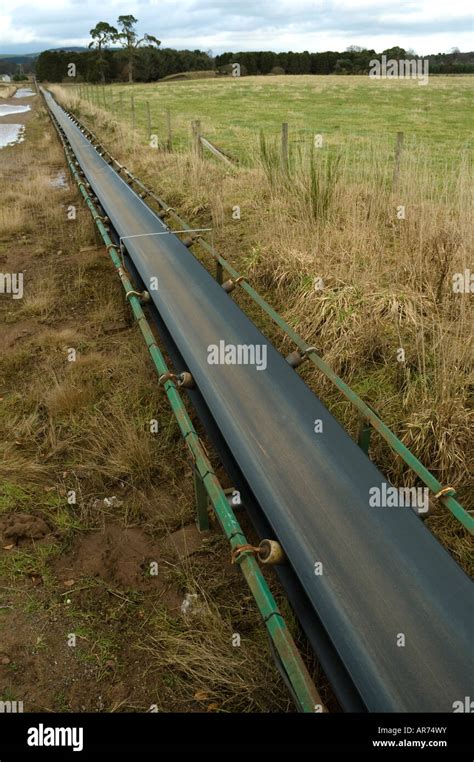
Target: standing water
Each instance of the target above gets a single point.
(6, 109)
(24, 92)
(14, 133)
(10, 134)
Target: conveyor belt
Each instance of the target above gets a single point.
(384, 574)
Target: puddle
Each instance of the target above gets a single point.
(7, 109)
(59, 181)
(11, 133)
(24, 92)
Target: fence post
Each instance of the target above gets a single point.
(148, 117)
(197, 145)
(284, 146)
(168, 126)
(398, 155)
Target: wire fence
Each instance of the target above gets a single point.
(365, 156)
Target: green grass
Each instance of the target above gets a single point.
(347, 111)
(13, 496)
(18, 563)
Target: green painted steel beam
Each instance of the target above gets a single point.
(202, 502)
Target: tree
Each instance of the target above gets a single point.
(343, 66)
(265, 61)
(101, 35)
(396, 53)
(128, 38)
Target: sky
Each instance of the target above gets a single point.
(425, 26)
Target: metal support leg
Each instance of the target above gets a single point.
(365, 430)
(202, 502)
(219, 273)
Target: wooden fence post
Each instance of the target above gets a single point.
(284, 146)
(398, 155)
(168, 126)
(197, 145)
(148, 118)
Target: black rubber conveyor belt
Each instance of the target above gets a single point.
(384, 574)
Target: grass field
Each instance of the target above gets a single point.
(386, 251)
(352, 113)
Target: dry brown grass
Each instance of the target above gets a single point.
(387, 281)
(40, 298)
(13, 219)
(7, 90)
(203, 665)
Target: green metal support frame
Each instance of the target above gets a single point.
(445, 495)
(365, 431)
(295, 671)
(202, 502)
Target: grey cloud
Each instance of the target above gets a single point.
(193, 24)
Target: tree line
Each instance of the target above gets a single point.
(149, 65)
(119, 53)
(354, 60)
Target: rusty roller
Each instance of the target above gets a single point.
(230, 284)
(271, 553)
(185, 380)
(296, 357)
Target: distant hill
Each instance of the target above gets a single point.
(28, 58)
(208, 74)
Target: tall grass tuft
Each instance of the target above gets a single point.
(320, 180)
